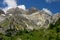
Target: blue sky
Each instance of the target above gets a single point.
(53, 6)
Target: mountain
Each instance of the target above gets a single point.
(2, 14)
(32, 10)
(56, 17)
(19, 19)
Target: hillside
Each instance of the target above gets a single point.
(31, 24)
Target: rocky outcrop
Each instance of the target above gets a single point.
(29, 19)
(56, 17)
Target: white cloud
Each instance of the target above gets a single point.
(48, 11)
(6, 8)
(50, 1)
(10, 3)
(22, 7)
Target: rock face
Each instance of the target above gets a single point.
(16, 11)
(28, 19)
(56, 17)
(2, 15)
(1, 12)
(32, 10)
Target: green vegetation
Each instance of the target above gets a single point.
(52, 33)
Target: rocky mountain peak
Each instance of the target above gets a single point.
(44, 10)
(32, 10)
(31, 18)
(56, 17)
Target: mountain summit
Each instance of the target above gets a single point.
(27, 19)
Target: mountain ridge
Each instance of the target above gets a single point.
(28, 19)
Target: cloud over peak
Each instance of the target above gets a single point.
(22, 6)
(48, 11)
(12, 4)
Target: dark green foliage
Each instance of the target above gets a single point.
(56, 28)
(10, 32)
(51, 26)
(1, 36)
(57, 22)
(19, 32)
(57, 25)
